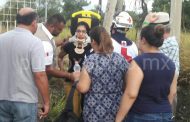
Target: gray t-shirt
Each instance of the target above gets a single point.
(21, 54)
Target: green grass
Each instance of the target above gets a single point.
(185, 51)
(183, 108)
(131, 34)
(65, 33)
(57, 98)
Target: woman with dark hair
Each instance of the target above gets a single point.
(151, 82)
(101, 79)
(77, 48)
(81, 33)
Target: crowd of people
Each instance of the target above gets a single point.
(119, 80)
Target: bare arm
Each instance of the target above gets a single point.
(61, 42)
(42, 85)
(60, 58)
(173, 89)
(133, 77)
(84, 81)
(57, 73)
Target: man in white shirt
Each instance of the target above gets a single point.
(46, 32)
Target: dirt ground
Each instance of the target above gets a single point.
(183, 105)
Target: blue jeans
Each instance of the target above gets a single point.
(17, 111)
(157, 117)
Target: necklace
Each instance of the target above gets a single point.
(79, 47)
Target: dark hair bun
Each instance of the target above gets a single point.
(154, 35)
(159, 31)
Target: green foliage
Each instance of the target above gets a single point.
(53, 6)
(132, 34)
(66, 7)
(65, 33)
(186, 15)
(71, 6)
(57, 98)
(184, 51)
(161, 5)
(136, 19)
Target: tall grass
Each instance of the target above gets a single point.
(185, 51)
(132, 34)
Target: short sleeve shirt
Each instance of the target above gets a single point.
(48, 52)
(21, 54)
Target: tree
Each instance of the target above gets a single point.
(144, 13)
(186, 15)
(66, 7)
(175, 12)
(100, 7)
(163, 5)
(110, 10)
(120, 6)
(53, 6)
(71, 6)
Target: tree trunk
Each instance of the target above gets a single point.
(175, 12)
(145, 11)
(120, 6)
(100, 6)
(110, 10)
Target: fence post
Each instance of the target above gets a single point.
(15, 23)
(1, 27)
(7, 25)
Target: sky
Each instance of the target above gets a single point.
(130, 5)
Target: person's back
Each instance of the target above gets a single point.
(122, 45)
(151, 82)
(22, 65)
(170, 47)
(105, 70)
(16, 49)
(158, 72)
(106, 88)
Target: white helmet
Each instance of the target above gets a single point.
(123, 20)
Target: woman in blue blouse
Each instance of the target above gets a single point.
(151, 82)
(102, 79)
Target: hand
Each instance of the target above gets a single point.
(44, 112)
(61, 42)
(153, 17)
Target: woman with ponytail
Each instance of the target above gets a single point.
(150, 83)
(102, 79)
